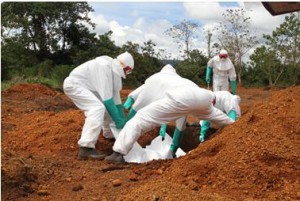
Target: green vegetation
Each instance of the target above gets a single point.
(43, 41)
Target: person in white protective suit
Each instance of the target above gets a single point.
(222, 69)
(227, 103)
(179, 102)
(155, 88)
(94, 87)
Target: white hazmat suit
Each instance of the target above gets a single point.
(227, 103)
(95, 87)
(179, 102)
(223, 70)
(155, 88)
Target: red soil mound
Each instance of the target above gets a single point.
(255, 158)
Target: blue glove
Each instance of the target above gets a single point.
(204, 128)
(232, 115)
(130, 114)
(162, 131)
(114, 113)
(129, 101)
(177, 137)
(208, 72)
(233, 87)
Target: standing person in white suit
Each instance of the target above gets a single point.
(179, 102)
(155, 88)
(222, 69)
(94, 87)
(227, 103)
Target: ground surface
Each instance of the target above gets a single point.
(256, 158)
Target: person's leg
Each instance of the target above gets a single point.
(153, 115)
(107, 133)
(178, 134)
(94, 112)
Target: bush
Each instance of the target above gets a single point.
(59, 73)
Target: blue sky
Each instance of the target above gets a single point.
(128, 12)
(140, 21)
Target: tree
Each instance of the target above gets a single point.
(189, 68)
(235, 36)
(285, 43)
(183, 32)
(208, 38)
(148, 48)
(46, 27)
(269, 66)
(103, 45)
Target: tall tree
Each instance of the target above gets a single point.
(234, 35)
(208, 36)
(46, 27)
(285, 43)
(184, 33)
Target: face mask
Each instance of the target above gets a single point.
(223, 56)
(127, 69)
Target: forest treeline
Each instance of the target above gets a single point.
(43, 41)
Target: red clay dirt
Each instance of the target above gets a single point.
(256, 158)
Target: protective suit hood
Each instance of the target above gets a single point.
(118, 69)
(168, 69)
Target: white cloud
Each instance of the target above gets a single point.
(208, 14)
(102, 25)
(262, 20)
(140, 32)
(206, 11)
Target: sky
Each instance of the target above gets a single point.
(140, 22)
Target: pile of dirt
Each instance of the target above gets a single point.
(255, 158)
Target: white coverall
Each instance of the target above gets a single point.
(179, 102)
(226, 102)
(88, 85)
(135, 93)
(222, 70)
(157, 85)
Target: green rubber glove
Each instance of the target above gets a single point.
(114, 113)
(208, 72)
(162, 131)
(233, 87)
(177, 137)
(129, 101)
(203, 132)
(232, 115)
(121, 111)
(130, 114)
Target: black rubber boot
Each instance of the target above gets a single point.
(115, 157)
(90, 153)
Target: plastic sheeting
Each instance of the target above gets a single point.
(158, 149)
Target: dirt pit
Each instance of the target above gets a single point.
(256, 158)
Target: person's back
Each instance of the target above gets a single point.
(94, 72)
(227, 102)
(157, 85)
